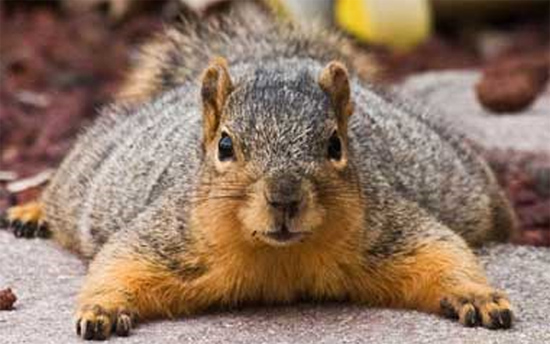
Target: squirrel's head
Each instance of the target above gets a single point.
(277, 161)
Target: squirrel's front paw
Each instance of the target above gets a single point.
(491, 309)
(97, 323)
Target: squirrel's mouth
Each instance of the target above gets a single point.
(283, 236)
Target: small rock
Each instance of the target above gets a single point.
(7, 299)
(513, 84)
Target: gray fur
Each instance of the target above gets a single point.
(127, 162)
(134, 162)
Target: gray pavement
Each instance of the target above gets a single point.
(46, 280)
(452, 95)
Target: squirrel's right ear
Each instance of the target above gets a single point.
(334, 81)
(215, 88)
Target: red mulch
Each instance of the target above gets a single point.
(526, 180)
(57, 69)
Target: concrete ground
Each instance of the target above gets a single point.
(46, 280)
(452, 94)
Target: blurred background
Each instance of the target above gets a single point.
(60, 61)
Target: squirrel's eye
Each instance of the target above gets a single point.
(334, 147)
(225, 148)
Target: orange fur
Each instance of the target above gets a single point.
(420, 281)
(27, 213)
(438, 271)
(327, 268)
(255, 216)
(240, 268)
(146, 289)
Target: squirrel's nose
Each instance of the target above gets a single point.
(290, 208)
(284, 194)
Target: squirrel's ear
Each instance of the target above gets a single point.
(215, 88)
(334, 81)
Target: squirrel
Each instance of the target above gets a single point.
(245, 163)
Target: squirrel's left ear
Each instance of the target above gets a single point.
(215, 88)
(334, 81)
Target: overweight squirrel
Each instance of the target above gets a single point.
(249, 165)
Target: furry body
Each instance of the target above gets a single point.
(172, 230)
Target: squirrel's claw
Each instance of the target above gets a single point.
(123, 325)
(491, 310)
(96, 323)
(26, 221)
(28, 229)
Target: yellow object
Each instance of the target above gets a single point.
(397, 23)
(278, 8)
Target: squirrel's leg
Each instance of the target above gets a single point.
(130, 280)
(27, 220)
(436, 272)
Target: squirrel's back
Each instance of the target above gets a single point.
(424, 160)
(247, 32)
(120, 166)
